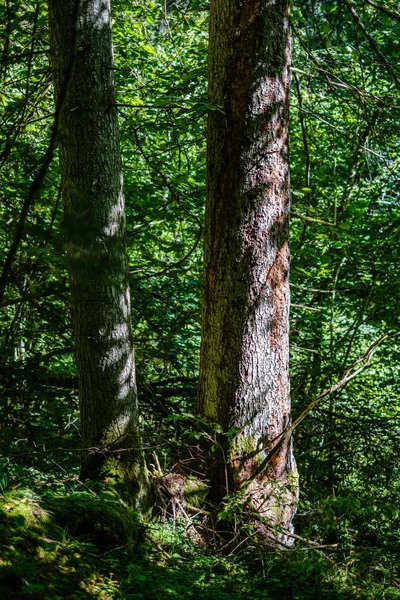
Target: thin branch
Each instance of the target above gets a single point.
(342, 133)
(373, 45)
(26, 54)
(390, 13)
(350, 373)
(177, 263)
(38, 182)
(165, 180)
(342, 84)
(6, 48)
(195, 108)
(304, 136)
(357, 156)
(34, 297)
(91, 450)
(311, 219)
(302, 306)
(299, 538)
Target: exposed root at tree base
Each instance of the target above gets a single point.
(260, 515)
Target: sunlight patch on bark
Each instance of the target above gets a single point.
(114, 221)
(125, 304)
(127, 377)
(101, 11)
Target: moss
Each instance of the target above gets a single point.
(245, 447)
(130, 481)
(103, 517)
(195, 491)
(23, 510)
(41, 561)
(293, 482)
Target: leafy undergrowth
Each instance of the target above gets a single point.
(66, 541)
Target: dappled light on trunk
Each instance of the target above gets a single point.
(92, 187)
(244, 362)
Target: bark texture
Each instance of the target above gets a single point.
(94, 212)
(244, 380)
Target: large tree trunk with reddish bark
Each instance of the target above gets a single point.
(90, 162)
(244, 378)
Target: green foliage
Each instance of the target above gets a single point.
(89, 514)
(59, 540)
(41, 559)
(4, 482)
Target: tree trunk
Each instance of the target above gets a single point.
(244, 379)
(94, 213)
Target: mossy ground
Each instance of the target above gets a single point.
(62, 541)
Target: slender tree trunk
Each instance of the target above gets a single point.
(95, 227)
(244, 379)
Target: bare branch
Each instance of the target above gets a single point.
(373, 45)
(350, 373)
(38, 182)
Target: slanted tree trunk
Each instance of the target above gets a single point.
(244, 379)
(93, 197)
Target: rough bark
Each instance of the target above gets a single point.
(94, 214)
(244, 380)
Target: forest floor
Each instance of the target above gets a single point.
(62, 540)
